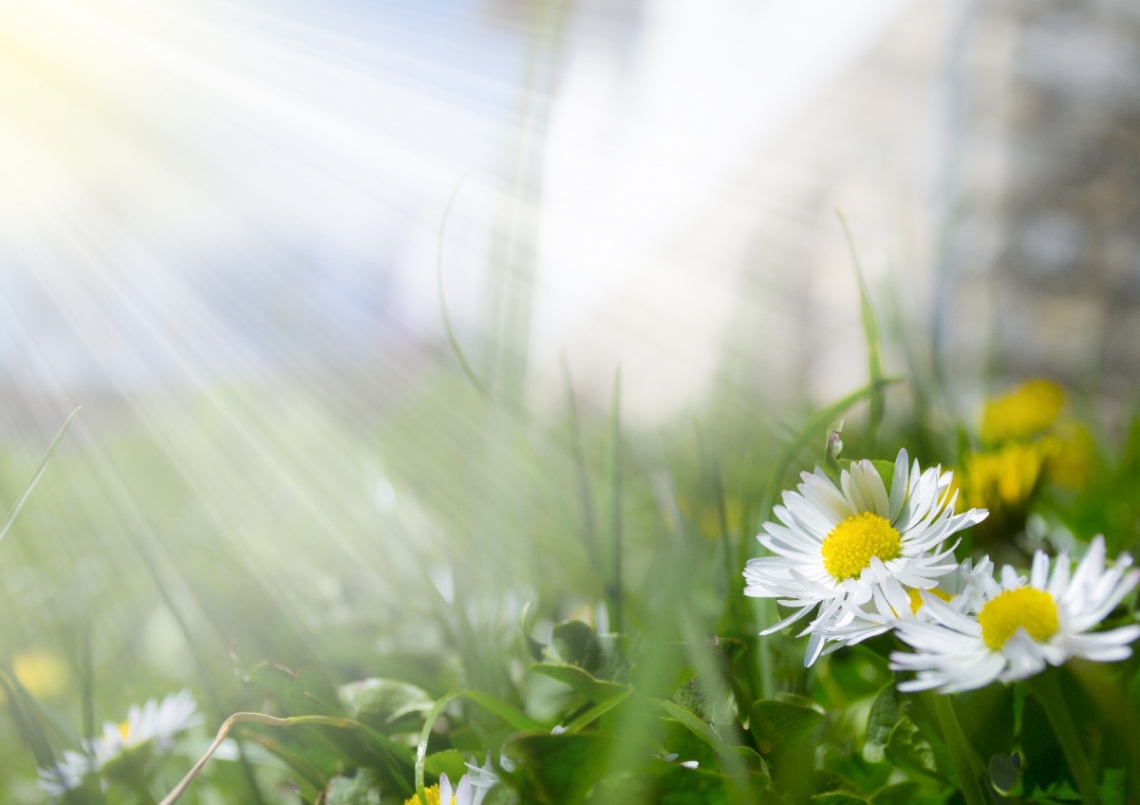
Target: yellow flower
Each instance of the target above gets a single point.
(1071, 455)
(432, 794)
(1003, 478)
(41, 673)
(1023, 412)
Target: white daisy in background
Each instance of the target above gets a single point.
(835, 545)
(152, 722)
(1022, 625)
(961, 590)
(67, 774)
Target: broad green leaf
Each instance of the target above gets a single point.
(885, 714)
(449, 762)
(580, 680)
(594, 713)
(383, 701)
(908, 749)
(558, 769)
(575, 643)
(784, 723)
(360, 788)
(898, 794)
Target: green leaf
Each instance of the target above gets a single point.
(837, 798)
(575, 643)
(885, 714)
(1111, 787)
(785, 723)
(360, 788)
(508, 712)
(594, 713)
(383, 701)
(558, 769)
(580, 680)
(898, 794)
(449, 762)
(908, 749)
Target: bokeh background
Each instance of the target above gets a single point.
(222, 234)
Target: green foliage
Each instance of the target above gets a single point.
(636, 676)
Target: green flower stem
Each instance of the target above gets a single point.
(960, 752)
(1046, 687)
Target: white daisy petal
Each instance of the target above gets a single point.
(836, 544)
(1021, 626)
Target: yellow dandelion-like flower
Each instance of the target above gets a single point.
(1023, 412)
(42, 673)
(1004, 478)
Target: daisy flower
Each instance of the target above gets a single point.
(471, 789)
(961, 590)
(154, 721)
(835, 545)
(1022, 625)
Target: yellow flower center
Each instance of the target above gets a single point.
(1027, 608)
(125, 729)
(851, 544)
(432, 794)
(916, 599)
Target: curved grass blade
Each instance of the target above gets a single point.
(815, 425)
(870, 333)
(451, 339)
(11, 518)
(259, 718)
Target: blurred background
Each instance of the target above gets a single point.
(222, 234)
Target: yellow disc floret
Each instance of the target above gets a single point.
(851, 544)
(432, 794)
(916, 601)
(1026, 608)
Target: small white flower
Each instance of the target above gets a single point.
(467, 792)
(834, 546)
(67, 774)
(483, 778)
(1022, 625)
(152, 722)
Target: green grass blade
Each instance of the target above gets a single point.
(589, 523)
(11, 518)
(451, 339)
(614, 582)
(870, 333)
(815, 425)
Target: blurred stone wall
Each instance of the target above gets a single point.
(1050, 252)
